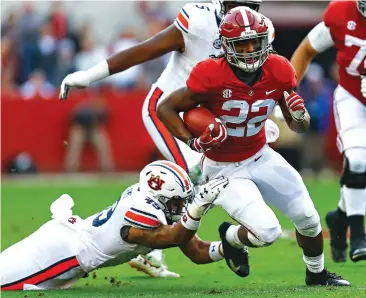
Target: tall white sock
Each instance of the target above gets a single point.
(314, 264)
(355, 200)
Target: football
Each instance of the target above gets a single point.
(198, 119)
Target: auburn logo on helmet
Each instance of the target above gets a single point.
(155, 182)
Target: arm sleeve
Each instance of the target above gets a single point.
(199, 79)
(320, 38)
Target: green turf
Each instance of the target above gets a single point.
(276, 271)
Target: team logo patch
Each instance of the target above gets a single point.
(217, 44)
(351, 25)
(227, 93)
(155, 182)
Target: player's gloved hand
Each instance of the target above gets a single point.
(296, 106)
(77, 79)
(206, 141)
(363, 85)
(206, 195)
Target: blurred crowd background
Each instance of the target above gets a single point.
(100, 128)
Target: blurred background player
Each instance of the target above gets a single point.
(193, 37)
(252, 79)
(67, 247)
(344, 27)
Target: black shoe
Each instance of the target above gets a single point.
(338, 236)
(324, 278)
(358, 250)
(237, 259)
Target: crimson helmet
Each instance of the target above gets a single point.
(361, 6)
(244, 24)
(221, 10)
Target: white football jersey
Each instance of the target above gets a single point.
(199, 25)
(101, 243)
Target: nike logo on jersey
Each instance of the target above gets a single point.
(269, 92)
(258, 158)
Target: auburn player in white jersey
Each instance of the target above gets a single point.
(67, 247)
(192, 38)
(344, 27)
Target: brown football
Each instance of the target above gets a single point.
(198, 119)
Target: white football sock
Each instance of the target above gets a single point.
(355, 201)
(314, 264)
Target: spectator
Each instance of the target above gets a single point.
(88, 125)
(318, 95)
(46, 55)
(65, 60)
(58, 21)
(37, 86)
(89, 54)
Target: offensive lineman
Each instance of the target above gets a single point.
(192, 38)
(344, 27)
(66, 248)
(241, 89)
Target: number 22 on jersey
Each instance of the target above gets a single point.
(251, 116)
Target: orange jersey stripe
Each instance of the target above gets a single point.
(164, 132)
(44, 275)
(142, 219)
(183, 20)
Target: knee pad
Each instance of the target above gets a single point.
(264, 237)
(351, 178)
(309, 226)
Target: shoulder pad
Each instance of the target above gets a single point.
(196, 19)
(283, 70)
(335, 10)
(145, 214)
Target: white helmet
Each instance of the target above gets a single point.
(221, 10)
(169, 185)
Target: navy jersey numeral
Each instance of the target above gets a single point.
(203, 7)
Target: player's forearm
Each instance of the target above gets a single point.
(302, 58)
(202, 252)
(162, 237)
(166, 41)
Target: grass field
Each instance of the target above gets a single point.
(276, 271)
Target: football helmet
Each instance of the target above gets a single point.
(221, 9)
(361, 6)
(169, 186)
(244, 26)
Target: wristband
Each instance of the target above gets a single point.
(189, 223)
(97, 72)
(215, 251)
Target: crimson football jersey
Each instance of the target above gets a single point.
(243, 109)
(348, 29)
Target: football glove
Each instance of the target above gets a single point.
(296, 106)
(206, 195)
(363, 85)
(206, 141)
(77, 79)
(237, 259)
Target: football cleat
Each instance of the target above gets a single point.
(151, 266)
(358, 250)
(324, 278)
(338, 236)
(237, 259)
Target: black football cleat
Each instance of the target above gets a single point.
(237, 259)
(324, 278)
(338, 236)
(358, 250)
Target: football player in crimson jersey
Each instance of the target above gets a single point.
(192, 38)
(344, 27)
(241, 89)
(67, 247)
